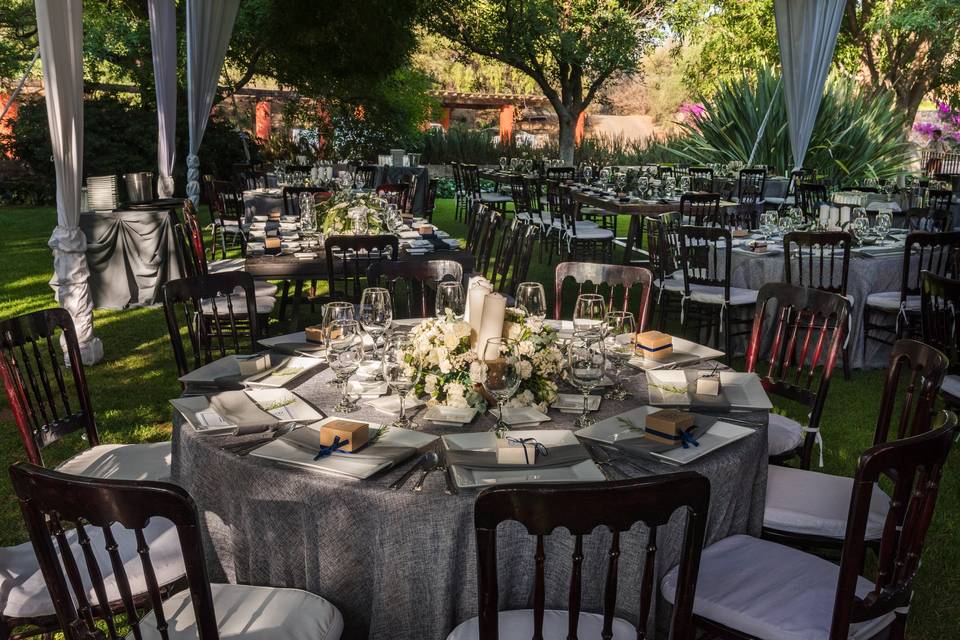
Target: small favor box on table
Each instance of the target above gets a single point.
(516, 451)
(250, 365)
(355, 434)
(709, 384)
(667, 425)
(655, 344)
(314, 333)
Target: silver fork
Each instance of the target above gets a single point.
(602, 460)
(619, 456)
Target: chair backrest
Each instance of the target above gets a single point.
(701, 179)
(397, 193)
(937, 253)
(291, 197)
(805, 329)
(457, 177)
(705, 256)
(490, 225)
(663, 262)
(580, 508)
(808, 197)
(703, 208)
(569, 210)
(47, 402)
(818, 259)
(430, 202)
(914, 376)
(939, 309)
(99, 509)
(940, 201)
(197, 257)
(916, 465)
(228, 203)
(470, 174)
(608, 277)
(663, 171)
(520, 194)
(349, 257)
(413, 285)
(474, 224)
(750, 184)
(219, 315)
(366, 175)
(514, 254)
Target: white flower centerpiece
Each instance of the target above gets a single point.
(337, 215)
(451, 371)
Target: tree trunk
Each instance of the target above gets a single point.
(909, 100)
(567, 124)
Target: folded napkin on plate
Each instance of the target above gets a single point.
(236, 408)
(367, 388)
(557, 456)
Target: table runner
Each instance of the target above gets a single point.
(400, 564)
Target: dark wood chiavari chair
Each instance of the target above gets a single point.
(349, 257)
(708, 296)
(471, 182)
(396, 193)
(473, 229)
(937, 253)
(701, 179)
(663, 244)
(581, 237)
(219, 313)
(809, 196)
(609, 277)
(461, 202)
(291, 197)
(858, 607)
(750, 186)
(228, 217)
(937, 217)
(522, 203)
(808, 509)
(115, 523)
(664, 171)
(939, 308)
(580, 509)
(490, 225)
(701, 209)
(430, 199)
(413, 285)
(514, 254)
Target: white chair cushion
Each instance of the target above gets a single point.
(23, 592)
(595, 211)
(783, 434)
(223, 266)
(518, 625)
(812, 503)
(714, 295)
(264, 305)
(262, 289)
(586, 233)
(770, 591)
(951, 386)
(890, 301)
(494, 198)
(122, 462)
(252, 613)
(581, 224)
(672, 283)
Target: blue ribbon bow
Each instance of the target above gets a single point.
(537, 447)
(686, 440)
(335, 445)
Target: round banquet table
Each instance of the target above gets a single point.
(867, 275)
(400, 564)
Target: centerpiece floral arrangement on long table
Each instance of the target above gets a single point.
(347, 213)
(448, 352)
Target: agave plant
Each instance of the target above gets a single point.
(855, 136)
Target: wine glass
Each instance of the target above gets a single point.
(503, 376)
(768, 221)
(621, 330)
(589, 312)
(376, 313)
(503, 163)
(882, 226)
(532, 298)
(587, 173)
(401, 373)
(684, 184)
(335, 312)
(586, 362)
(450, 297)
(344, 354)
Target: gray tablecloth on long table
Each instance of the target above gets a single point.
(262, 202)
(402, 565)
(131, 254)
(387, 175)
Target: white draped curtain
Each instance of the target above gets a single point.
(60, 31)
(209, 26)
(163, 40)
(807, 34)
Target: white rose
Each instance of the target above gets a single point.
(525, 369)
(478, 372)
(525, 348)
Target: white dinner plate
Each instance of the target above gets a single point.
(520, 416)
(685, 353)
(719, 435)
(224, 372)
(739, 391)
(278, 406)
(573, 403)
(455, 416)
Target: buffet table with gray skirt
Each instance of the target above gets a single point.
(402, 565)
(390, 175)
(131, 254)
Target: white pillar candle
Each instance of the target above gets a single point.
(477, 288)
(491, 323)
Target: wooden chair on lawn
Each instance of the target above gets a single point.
(700, 209)
(805, 329)
(413, 285)
(580, 509)
(514, 255)
(790, 592)
(701, 179)
(116, 522)
(809, 509)
(663, 244)
(809, 196)
(349, 257)
(939, 307)
(610, 277)
(490, 226)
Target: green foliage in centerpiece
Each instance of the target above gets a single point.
(450, 368)
(336, 216)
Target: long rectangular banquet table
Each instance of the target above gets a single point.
(401, 565)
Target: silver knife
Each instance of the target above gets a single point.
(402, 480)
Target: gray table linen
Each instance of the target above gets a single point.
(400, 564)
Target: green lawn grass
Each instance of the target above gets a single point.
(130, 391)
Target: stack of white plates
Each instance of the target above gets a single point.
(102, 193)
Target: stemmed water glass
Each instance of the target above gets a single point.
(768, 223)
(586, 362)
(503, 376)
(401, 373)
(376, 314)
(503, 163)
(335, 312)
(882, 226)
(621, 330)
(344, 354)
(450, 297)
(589, 312)
(532, 298)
